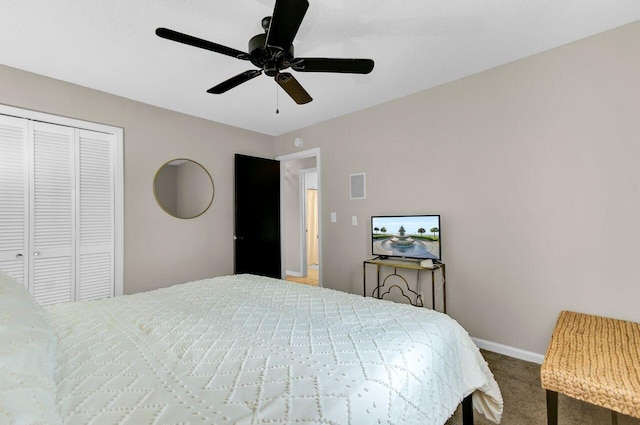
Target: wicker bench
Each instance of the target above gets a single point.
(593, 359)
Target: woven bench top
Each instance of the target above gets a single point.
(595, 359)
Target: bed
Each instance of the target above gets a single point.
(237, 349)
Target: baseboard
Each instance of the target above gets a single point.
(509, 351)
(294, 274)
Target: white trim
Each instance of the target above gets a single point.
(507, 350)
(119, 175)
(299, 155)
(302, 224)
(283, 234)
(292, 273)
(289, 157)
(320, 261)
(75, 261)
(118, 254)
(56, 119)
(28, 254)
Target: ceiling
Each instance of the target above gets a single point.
(110, 45)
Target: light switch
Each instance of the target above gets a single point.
(354, 220)
(333, 217)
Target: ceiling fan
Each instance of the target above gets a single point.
(272, 52)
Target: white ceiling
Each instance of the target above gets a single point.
(110, 45)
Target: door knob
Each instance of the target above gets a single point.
(35, 254)
(18, 255)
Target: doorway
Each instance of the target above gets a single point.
(300, 217)
(309, 222)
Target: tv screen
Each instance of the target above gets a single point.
(407, 236)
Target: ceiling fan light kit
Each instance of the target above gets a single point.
(272, 52)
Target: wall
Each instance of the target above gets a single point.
(534, 169)
(159, 249)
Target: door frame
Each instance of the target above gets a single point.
(118, 133)
(309, 153)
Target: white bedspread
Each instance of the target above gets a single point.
(248, 350)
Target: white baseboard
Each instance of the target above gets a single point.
(294, 274)
(509, 351)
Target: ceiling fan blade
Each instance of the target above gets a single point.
(198, 42)
(293, 88)
(286, 19)
(348, 66)
(235, 81)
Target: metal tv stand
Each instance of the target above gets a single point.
(413, 296)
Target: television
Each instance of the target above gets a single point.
(406, 236)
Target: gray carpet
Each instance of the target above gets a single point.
(525, 403)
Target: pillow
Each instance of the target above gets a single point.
(27, 358)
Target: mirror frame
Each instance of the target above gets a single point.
(155, 195)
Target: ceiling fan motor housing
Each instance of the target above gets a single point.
(270, 58)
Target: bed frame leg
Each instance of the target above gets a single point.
(552, 407)
(467, 410)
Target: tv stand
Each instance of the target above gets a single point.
(414, 297)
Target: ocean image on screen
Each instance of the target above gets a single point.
(409, 236)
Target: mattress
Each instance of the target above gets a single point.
(253, 350)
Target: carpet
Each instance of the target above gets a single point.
(525, 402)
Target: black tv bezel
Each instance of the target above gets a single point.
(439, 260)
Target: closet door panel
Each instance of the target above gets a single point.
(96, 215)
(14, 197)
(52, 277)
(58, 199)
(52, 213)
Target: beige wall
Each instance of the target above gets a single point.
(534, 169)
(159, 249)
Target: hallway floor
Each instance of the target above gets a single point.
(310, 279)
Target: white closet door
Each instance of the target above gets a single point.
(14, 197)
(95, 269)
(53, 213)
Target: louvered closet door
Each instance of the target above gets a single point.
(14, 197)
(52, 265)
(95, 269)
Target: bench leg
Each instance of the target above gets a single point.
(552, 407)
(467, 410)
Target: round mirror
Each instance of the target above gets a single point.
(183, 188)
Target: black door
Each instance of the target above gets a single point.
(257, 216)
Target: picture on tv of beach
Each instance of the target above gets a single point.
(406, 236)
